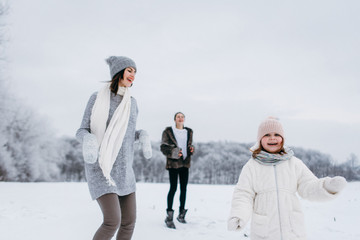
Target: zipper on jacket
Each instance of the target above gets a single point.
(278, 201)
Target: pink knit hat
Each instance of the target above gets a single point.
(269, 125)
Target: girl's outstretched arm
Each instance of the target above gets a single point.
(312, 188)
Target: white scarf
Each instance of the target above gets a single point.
(110, 141)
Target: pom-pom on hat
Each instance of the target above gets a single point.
(269, 125)
(118, 63)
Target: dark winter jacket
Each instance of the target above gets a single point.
(170, 148)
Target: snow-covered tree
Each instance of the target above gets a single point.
(28, 147)
(32, 147)
(72, 164)
(352, 168)
(150, 170)
(5, 161)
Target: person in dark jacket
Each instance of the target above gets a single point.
(176, 145)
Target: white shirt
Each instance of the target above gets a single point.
(181, 139)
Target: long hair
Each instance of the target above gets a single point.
(114, 86)
(261, 148)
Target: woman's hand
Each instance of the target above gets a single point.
(192, 149)
(180, 153)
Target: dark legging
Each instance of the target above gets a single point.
(183, 174)
(119, 213)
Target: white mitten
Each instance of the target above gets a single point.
(90, 148)
(234, 224)
(335, 184)
(145, 144)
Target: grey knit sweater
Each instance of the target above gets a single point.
(122, 171)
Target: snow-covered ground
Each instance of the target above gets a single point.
(55, 211)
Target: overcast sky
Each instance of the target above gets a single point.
(226, 64)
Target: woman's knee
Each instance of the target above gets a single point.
(183, 188)
(173, 189)
(112, 223)
(129, 222)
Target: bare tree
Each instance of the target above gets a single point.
(352, 168)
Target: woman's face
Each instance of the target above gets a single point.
(180, 119)
(272, 142)
(129, 77)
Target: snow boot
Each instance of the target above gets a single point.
(169, 219)
(181, 217)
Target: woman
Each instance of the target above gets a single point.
(177, 146)
(107, 133)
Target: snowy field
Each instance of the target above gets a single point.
(55, 211)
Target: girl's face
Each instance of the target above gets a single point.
(179, 119)
(272, 142)
(129, 77)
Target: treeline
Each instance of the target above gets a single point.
(221, 162)
(30, 153)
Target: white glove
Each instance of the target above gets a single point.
(90, 148)
(234, 224)
(145, 144)
(335, 184)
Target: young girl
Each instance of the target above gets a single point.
(176, 145)
(109, 122)
(267, 187)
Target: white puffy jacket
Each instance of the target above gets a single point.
(267, 195)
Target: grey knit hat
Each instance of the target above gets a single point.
(118, 63)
